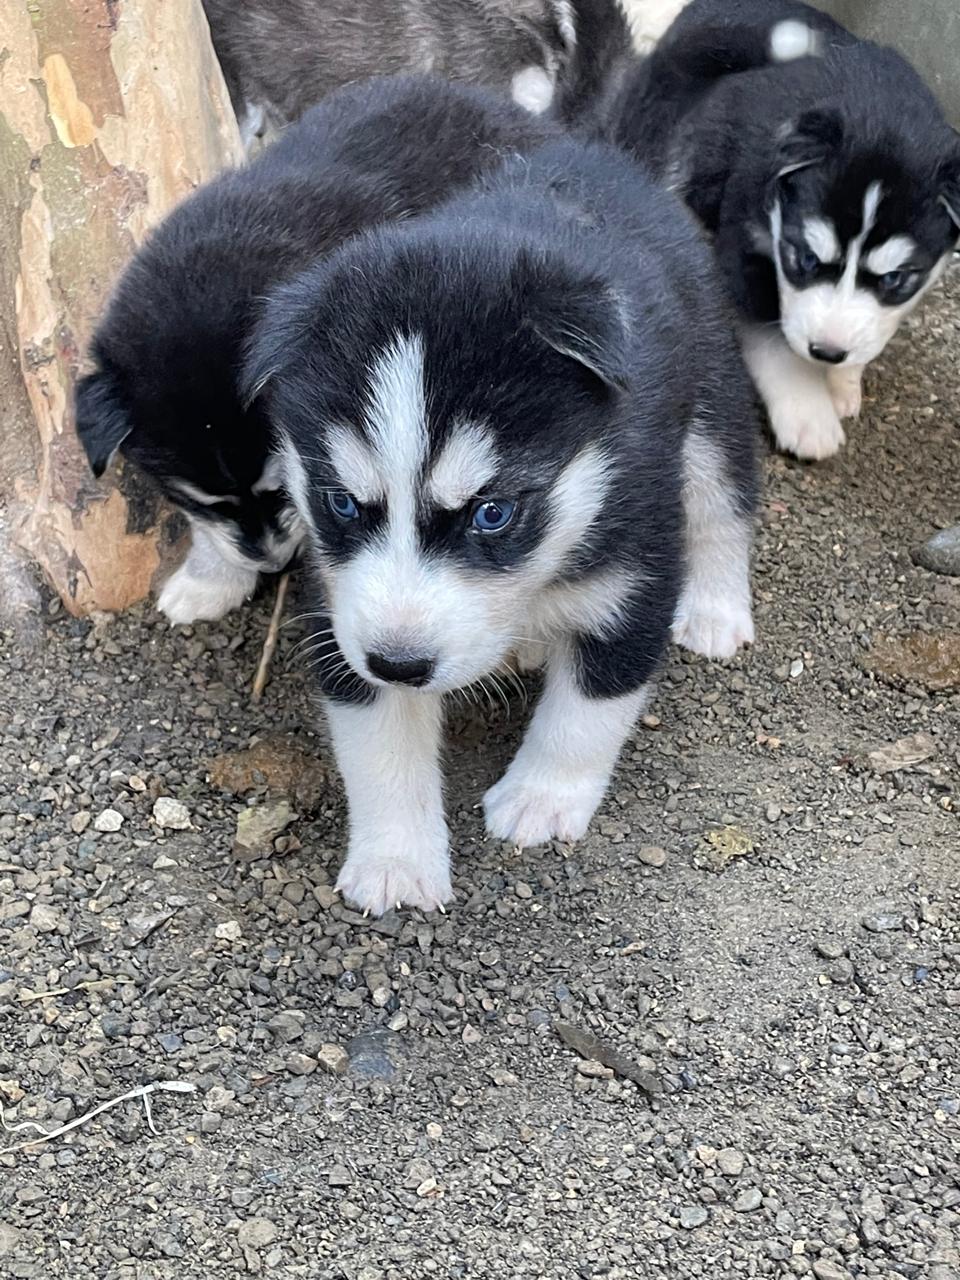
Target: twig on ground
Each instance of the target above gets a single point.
(270, 642)
(94, 984)
(45, 1135)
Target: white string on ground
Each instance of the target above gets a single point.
(46, 1135)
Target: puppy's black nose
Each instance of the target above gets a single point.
(401, 668)
(829, 355)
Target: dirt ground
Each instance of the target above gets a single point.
(762, 920)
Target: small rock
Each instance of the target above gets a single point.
(829, 948)
(169, 1042)
(163, 863)
(824, 1269)
(229, 931)
(522, 889)
(652, 855)
(259, 826)
(44, 918)
(79, 822)
(339, 1176)
(749, 1199)
(941, 553)
(333, 1059)
(257, 1233)
(301, 1064)
(796, 668)
(730, 1161)
(140, 927)
(593, 1070)
(217, 1098)
(210, 1122)
(285, 1027)
(171, 814)
(108, 820)
(883, 923)
(693, 1216)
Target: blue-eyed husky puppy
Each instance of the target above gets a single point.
(520, 424)
(828, 176)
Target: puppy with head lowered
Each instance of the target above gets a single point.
(168, 352)
(518, 425)
(828, 176)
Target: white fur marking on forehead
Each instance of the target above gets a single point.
(467, 463)
(890, 256)
(355, 464)
(820, 234)
(396, 416)
(871, 203)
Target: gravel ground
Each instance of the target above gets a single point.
(763, 925)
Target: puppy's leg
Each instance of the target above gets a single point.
(714, 615)
(212, 580)
(845, 384)
(798, 401)
(563, 767)
(388, 753)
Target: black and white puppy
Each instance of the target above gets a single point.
(828, 176)
(519, 424)
(169, 348)
(279, 57)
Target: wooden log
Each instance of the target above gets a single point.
(110, 112)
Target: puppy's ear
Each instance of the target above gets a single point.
(809, 140)
(586, 321)
(103, 421)
(949, 177)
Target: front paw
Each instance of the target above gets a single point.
(188, 597)
(376, 881)
(711, 625)
(532, 808)
(808, 427)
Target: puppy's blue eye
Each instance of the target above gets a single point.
(807, 261)
(493, 515)
(342, 505)
(893, 280)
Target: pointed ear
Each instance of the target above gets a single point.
(809, 140)
(587, 321)
(102, 420)
(949, 177)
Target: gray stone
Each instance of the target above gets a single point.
(941, 553)
(693, 1216)
(749, 1199)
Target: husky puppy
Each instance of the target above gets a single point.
(169, 348)
(281, 56)
(517, 425)
(828, 176)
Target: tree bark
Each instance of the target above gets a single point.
(110, 112)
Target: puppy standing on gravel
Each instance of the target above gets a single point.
(168, 351)
(825, 170)
(520, 424)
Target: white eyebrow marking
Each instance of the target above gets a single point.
(890, 256)
(355, 464)
(202, 497)
(820, 234)
(467, 462)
